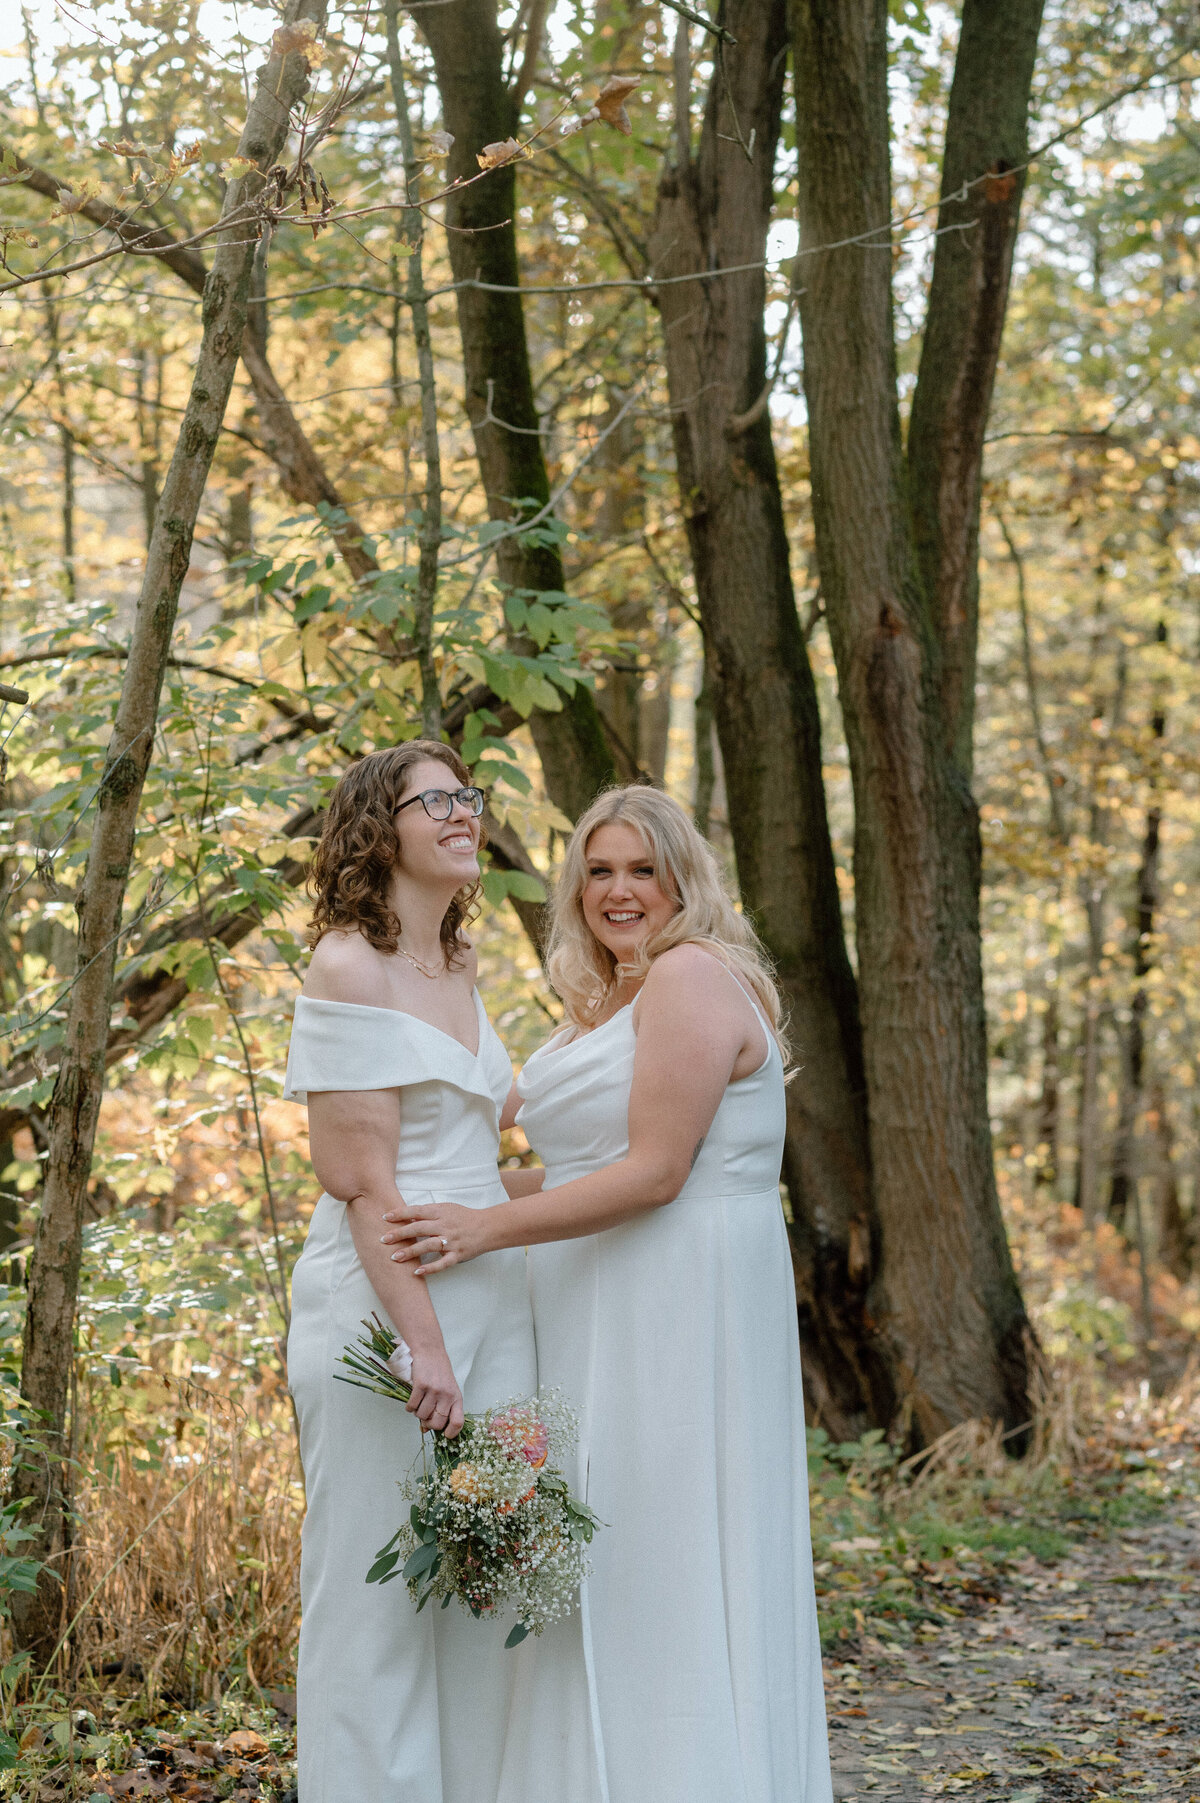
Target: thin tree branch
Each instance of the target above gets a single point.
(1053, 777)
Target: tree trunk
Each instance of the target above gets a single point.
(429, 538)
(1095, 898)
(66, 440)
(983, 179)
(1176, 1245)
(478, 108)
(1123, 1191)
(619, 517)
(945, 1295)
(1087, 1166)
(713, 212)
(74, 1108)
(702, 734)
(1046, 1174)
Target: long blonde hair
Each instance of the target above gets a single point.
(585, 973)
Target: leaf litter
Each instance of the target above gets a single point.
(1071, 1681)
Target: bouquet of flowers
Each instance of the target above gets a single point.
(492, 1523)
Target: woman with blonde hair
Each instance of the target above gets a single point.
(404, 1080)
(664, 1309)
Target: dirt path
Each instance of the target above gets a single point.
(1082, 1682)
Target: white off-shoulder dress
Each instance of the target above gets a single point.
(693, 1672)
(396, 1707)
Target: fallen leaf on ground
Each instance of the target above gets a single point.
(246, 1742)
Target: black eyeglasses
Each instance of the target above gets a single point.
(439, 803)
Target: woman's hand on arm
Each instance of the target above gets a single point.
(671, 1108)
(354, 1137)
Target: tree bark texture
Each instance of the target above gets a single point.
(983, 179)
(1047, 1129)
(945, 1293)
(1124, 1187)
(75, 1106)
(714, 211)
(1174, 1231)
(478, 108)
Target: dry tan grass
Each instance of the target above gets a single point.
(184, 1581)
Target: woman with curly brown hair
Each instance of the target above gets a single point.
(404, 1079)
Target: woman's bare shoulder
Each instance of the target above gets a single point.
(689, 978)
(344, 967)
(683, 967)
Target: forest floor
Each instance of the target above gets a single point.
(1077, 1680)
(1009, 1638)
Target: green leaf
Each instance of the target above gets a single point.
(516, 1634)
(499, 884)
(423, 1560)
(383, 1566)
(313, 602)
(524, 886)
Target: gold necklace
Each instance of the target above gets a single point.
(423, 968)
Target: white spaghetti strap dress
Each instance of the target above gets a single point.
(693, 1672)
(396, 1707)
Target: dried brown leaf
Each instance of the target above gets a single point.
(302, 36)
(610, 102)
(492, 156)
(123, 148)
(246, 1742)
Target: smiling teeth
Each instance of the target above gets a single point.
(622, 919)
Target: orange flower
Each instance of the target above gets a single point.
(470, 1484)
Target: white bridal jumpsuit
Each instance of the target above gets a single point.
(396, 1707)
(693, 1673)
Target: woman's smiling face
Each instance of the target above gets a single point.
(623, 901)
(437, 850)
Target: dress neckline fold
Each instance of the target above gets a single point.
(481, 1019)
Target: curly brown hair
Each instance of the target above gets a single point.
(359, 845)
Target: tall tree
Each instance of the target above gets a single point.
(896, 545)
(480, 107)
(714, 211)
(75, 1105)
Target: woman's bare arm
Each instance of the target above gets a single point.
(354, 1136)
(671, 1108)
(511, 1108)
(525, 1182)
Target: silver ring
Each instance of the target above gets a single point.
(445, 1243)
